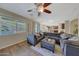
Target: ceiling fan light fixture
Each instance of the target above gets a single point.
(41, 9)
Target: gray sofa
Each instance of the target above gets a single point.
(31, 39)
(55, 36)
(71, 48)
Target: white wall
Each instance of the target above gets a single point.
(18, 37)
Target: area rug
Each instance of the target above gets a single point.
(43, 51)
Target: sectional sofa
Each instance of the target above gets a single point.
(33, 40)
(71, 48)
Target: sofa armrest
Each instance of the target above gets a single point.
(71, 50)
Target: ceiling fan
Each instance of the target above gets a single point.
(41, 7)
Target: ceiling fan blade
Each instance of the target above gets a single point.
(38, 4)
(29, 10)
(46, 4)
(47, 11)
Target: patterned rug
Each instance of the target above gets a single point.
(46, 52)
(43, 51)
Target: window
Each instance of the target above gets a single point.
(37, 27)
(20, 27)
(9, 26)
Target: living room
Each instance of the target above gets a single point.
(30, 30)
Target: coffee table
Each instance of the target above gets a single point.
(48, 44)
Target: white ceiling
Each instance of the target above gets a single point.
(60, 12)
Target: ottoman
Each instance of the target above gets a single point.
(48, 44)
